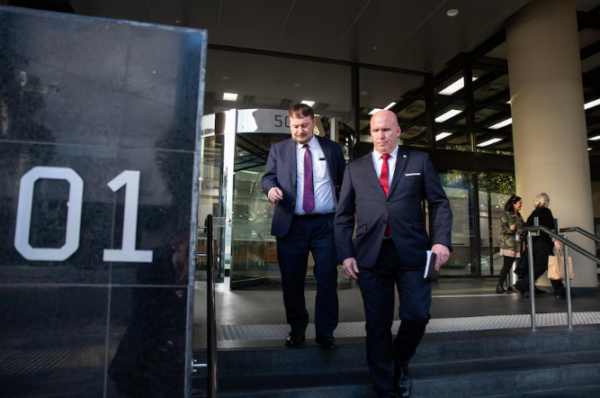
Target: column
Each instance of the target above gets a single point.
(549, 127)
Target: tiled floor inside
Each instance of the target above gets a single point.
(451, 299)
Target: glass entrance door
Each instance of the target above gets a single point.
(235, 148)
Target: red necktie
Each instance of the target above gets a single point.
(384, 180)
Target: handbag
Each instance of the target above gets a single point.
(556, 267)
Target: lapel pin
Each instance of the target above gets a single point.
(404, 155)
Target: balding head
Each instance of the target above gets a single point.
(385, 131)
(388, 116)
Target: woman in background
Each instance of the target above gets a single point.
(510, 222)
(542, 247)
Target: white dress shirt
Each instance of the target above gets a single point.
(323, 195)
(378, 163)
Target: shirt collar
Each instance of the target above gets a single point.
(312, 144)
(394, 154)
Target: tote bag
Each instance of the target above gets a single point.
(556, 267)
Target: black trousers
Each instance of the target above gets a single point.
(309, 234)
(540, 260)
(508, 262)
(385, 355)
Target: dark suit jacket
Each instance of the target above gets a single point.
(362, 194)
(280, 172)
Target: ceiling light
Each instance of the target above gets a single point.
(447, 115)
(230, 97)
(364, 93)
(374, 47)
(389, 106)
(508, 102)
(443, 135)
(592, 104)
(454, 87)
(226, 78)
(452, 13)
(374, 111)
(596, 138)
(501, 124)
(490, 142)
(589, 149)
(296, 85)
(309, 103)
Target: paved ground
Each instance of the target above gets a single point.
(451, 299)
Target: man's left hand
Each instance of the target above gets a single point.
(442, 254)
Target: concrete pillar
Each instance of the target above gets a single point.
(549, 128)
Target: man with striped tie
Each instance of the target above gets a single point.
(384, 191)
(302, 179)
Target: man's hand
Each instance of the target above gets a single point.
(275, 195)
(513, 227)
(351, 268)
(442, 255)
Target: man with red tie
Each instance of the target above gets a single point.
(385, 190)
(302, 179)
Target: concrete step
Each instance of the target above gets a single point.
(460, 379)
(435, 349)
(574, 392)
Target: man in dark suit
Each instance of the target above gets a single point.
(303, 178)
(385, 189)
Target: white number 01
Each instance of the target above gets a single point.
(129, 179)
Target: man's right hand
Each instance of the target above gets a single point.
(351, 268)
(275, 195)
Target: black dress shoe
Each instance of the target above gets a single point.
(294, 339)
(403, 382)
(560, 296)
(500, 289)
(326, 342)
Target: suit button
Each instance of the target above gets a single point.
(388, 203)
(294, 204)
(385, 221)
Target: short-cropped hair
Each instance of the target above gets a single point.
(300, 110)
(542, 200)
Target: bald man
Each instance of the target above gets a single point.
(385, 189)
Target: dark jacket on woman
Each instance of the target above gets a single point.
(542, 243)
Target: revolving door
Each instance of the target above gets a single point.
(234, 151)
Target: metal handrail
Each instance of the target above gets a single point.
(567, 244)
(582, 232)
(561, 239)
(212, 389)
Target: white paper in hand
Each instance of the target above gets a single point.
(431, 274)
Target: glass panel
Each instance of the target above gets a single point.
(494, 191)
(458, 187)
(492, 116)
(211, 178)
(254, 257)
